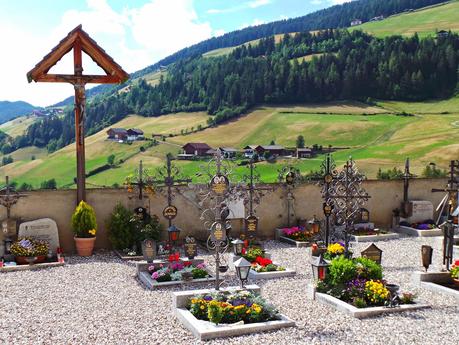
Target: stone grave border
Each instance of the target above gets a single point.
(145, 277)
(418, 233)
(432, 281)
(32, 267)
(279, 237)
(375, 238)
(359, 313)
(272, 275)
(126, 257)
(205, 330)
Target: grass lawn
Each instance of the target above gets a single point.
(423, 21)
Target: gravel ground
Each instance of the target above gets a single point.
(99, 301)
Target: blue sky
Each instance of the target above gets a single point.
(135, 33)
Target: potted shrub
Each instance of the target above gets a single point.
(455, 273)
(84, 228)
(29, 251)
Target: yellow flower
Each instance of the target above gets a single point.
(202, 307)
(92, 232)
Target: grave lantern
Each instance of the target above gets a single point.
(238, 246)
(242, 270)
(314, 225)
(426, 254)
(174, 233)
(319, 267)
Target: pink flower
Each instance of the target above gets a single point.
(151, 268)
(155, 275)
(201, 266)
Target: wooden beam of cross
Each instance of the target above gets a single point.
(78, 41)
(449, 201)
(169, 177)
(9, 197)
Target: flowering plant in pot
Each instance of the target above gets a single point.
(28, 250)
(84, 227)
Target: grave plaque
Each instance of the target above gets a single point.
(170, 212)
(218, 232)
(420, 211)
(290, 178)
(364, 216)
(149, 250)
(372, 253)
(251, 226)
(191, 248)
(9, 227)
(219, 184)
(44, 229)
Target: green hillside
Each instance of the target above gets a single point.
(423, 21)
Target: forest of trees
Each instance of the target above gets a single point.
(338, 16)
(347, 65)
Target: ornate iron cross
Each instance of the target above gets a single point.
(325, 178)
(9, 197)
(166, 178)
(252, 195)
(289, 177)
(348, 197)
(141, 180)
(452, 189)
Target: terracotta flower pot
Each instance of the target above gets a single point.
(84, 246)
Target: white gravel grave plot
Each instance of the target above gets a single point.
(99, 301)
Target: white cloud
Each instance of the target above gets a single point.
(339, 2)
(219, 32)
(258, 3)
(133, 37)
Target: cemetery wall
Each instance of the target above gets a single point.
(59, 205)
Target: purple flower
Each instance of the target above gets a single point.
(207, 298)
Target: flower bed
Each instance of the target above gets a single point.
(174, 272)
(295, 235)
(442, 282)
(215, 314)
(358, 282)
(422, 229)
(263, 267)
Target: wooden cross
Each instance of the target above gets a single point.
(9, 197)
(80, 42)
(169, 177)
(452, 190)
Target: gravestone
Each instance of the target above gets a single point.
(372, 252)
(44, 229)
(420, 210)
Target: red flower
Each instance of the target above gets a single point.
(187, 263)
(315, 246)
(174, 257)
(263, 261)
(243, 251)
(456, 263)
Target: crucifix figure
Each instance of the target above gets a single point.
(169, 176)
(78, 41)
(407, 176)
(289, 177)
(348, 197)
(140, 181)
(325, 178)
(252, 195)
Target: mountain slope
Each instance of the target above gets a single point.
(423, 21)
(9, 110)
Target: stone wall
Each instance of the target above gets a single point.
(59, 205)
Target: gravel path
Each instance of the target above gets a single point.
(99, 301)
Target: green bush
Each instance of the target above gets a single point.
(368, 269)
(342, 270)
(253, 253)
(84, 223)
(120, 229)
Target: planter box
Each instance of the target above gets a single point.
(125, 257)
(271, 275)
(419, 233)
(145, 276)
(440, 282)
(375, 238)
(361, 313)
(31, 267)
(205, 330)
(299, 244)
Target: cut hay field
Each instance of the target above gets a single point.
(375, 136)
(424, 21)
(18, 125)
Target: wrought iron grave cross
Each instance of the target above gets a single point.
(289, 177)
(9, 197)
(141, 180)
(450, 199)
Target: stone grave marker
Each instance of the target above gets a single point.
(44, 229)
(420, 211)
(372, 253)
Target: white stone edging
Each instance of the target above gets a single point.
(418, 233)
(374, 238)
